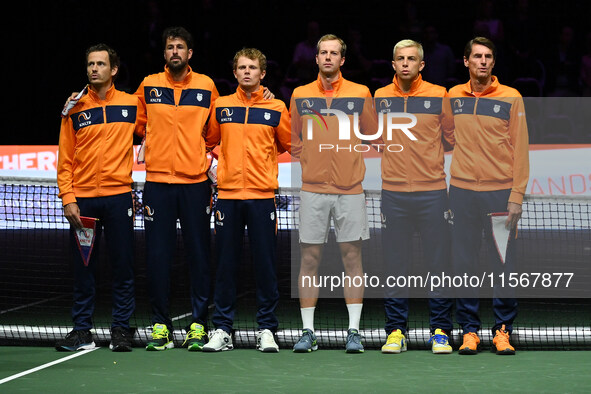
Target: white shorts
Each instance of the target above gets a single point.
(347, 211)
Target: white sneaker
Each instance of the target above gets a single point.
(266, 342)
(219, 340)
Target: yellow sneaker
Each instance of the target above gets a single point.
(471, 344)
(196, 338)
(440, 342)
(161, 338)
(501, 342)
(395, 343)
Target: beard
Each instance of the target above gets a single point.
(176, 65)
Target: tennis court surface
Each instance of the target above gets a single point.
(552, 335)
(246, 370)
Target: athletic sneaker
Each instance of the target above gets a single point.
(471, 344)
(395, 343)
(353, 341)
(501, 343)
(120, 339)
(307, 342)
(75, 340)
(196, 338)
(219, 341)
(161, 338)
(440, 342)
(266, 342)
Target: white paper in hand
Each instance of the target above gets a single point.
(73, 102)
(212, 173)
(500, 233)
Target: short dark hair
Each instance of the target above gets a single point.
(480, 41)
(113, 57)
(177, 32)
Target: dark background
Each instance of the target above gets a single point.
(45, 43)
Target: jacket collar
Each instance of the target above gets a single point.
(414, 86)
(172, 81)
(254, 96)
(467, 87)
(336, 85)
(108, 96)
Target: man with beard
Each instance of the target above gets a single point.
(178, 103)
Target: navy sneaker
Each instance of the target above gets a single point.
(76, 340)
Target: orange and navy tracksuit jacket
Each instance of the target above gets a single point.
(252, 133)
(419, 166)
(492, 148)
(176, 116)
(96, 146)
(339, 170)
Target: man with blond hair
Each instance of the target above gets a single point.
(414, 193)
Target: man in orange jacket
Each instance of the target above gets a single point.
(178, 103)
(489, 174)
(94, 179)
(252, 132)
(331, 182)
(414, 193)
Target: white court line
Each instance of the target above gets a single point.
(61, 360)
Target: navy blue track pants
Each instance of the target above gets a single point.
(163, 205)
(115, 214)
(470, 209)
(259, 217)
(404, 213)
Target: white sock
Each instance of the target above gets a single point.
(308, 317)
(354, 315)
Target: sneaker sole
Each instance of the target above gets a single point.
(120, 348)
(506, 352)
(195, 348)
(467, 352)
(442, 351)
(268, 350)
(354, 351)
(393, 351)
(213, 350)
(388, 351)
(86, 346)
(308, 350)
(152, 348)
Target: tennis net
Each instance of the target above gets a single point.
(36, 277)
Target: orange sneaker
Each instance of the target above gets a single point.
(501, 342)
(471, 344)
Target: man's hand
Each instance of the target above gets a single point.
(267, 95)
(72, 97)
(72, 101)
(514, 210)
(72, 213)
